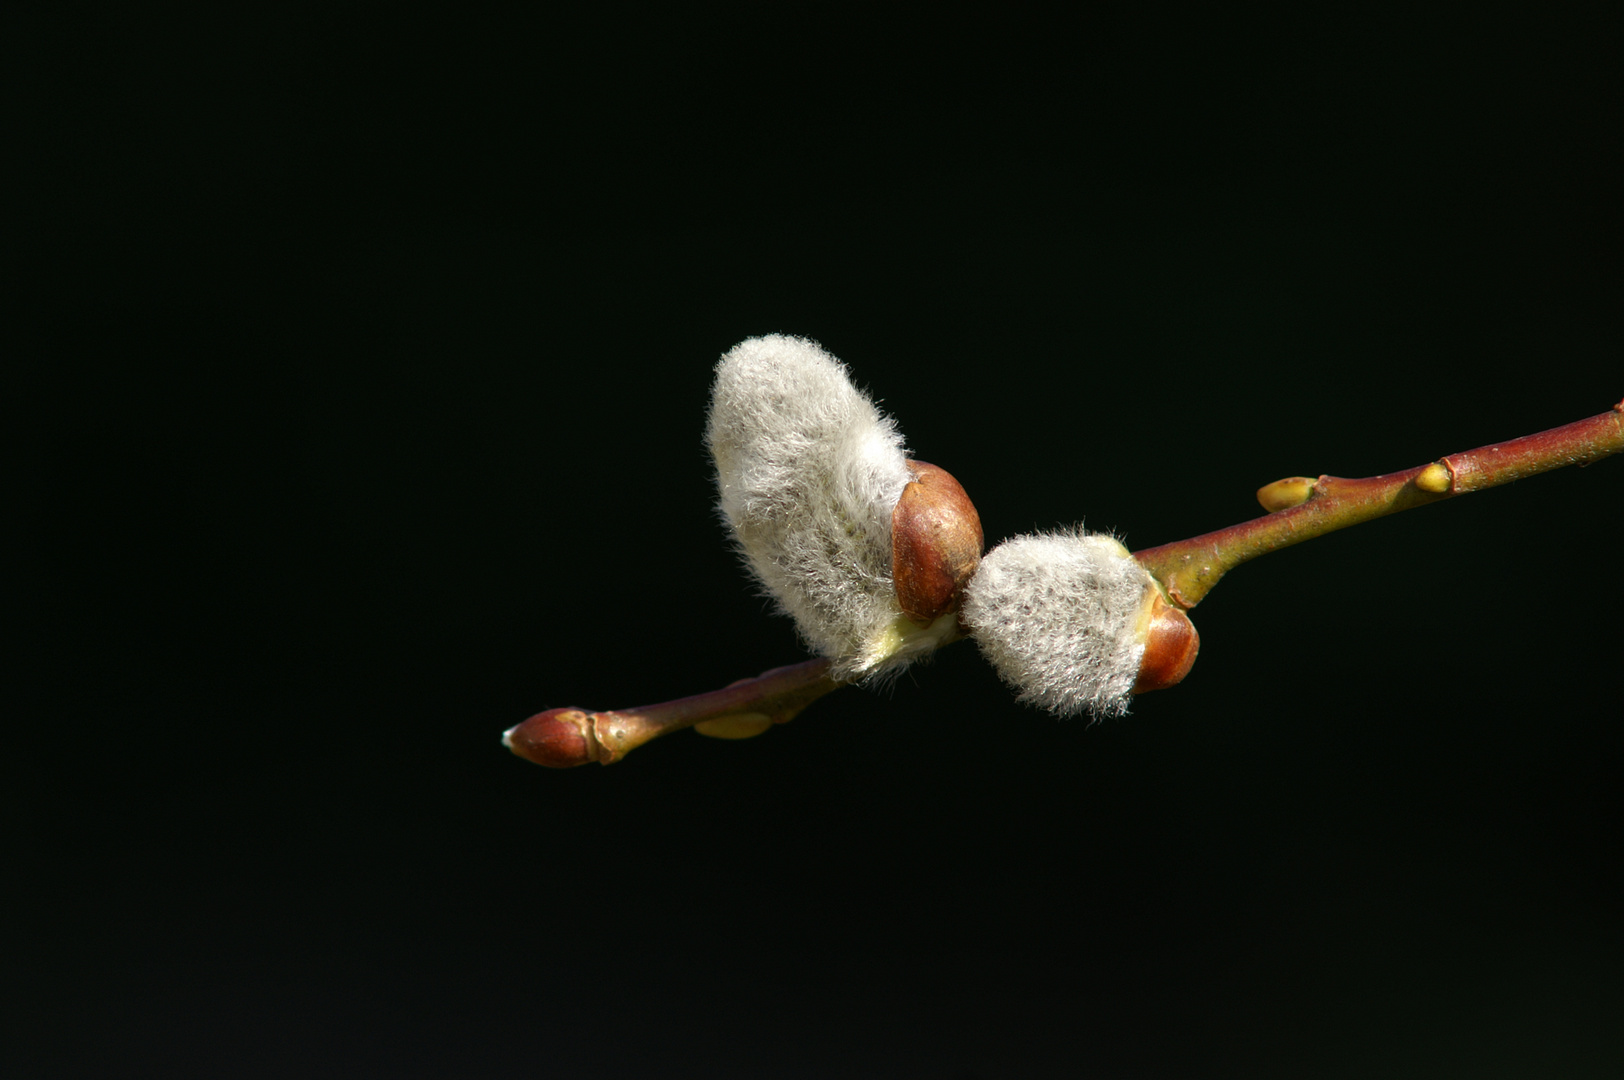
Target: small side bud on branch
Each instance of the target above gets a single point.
(1434, 479)
(1284, 494)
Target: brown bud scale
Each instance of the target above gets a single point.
(1170, 647)
(936, 543)
(557, 738)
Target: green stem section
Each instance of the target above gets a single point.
(1188, 569)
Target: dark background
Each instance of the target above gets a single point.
(365, 357)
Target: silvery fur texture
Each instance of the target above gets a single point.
(1058, 614)
(808, 472)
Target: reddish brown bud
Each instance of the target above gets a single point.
(557, 738)
(1170, 647)
(935, 543)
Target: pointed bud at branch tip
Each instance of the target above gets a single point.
(1284, 494)
(557, 738)
(1435, 479)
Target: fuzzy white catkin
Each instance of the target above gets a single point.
(1058, 615)
(808, 471)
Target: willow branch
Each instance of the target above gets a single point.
(1305, 508)
(561, 738)
(1302, 508)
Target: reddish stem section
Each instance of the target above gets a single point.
(563, 738)
(1188, 569)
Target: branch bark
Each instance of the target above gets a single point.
(562, 738)
(1188, 569)
(1302, 508)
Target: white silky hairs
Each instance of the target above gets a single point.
(808, 472)
(1061, 616)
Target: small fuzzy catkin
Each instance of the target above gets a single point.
(807, 474)
(1059, 616)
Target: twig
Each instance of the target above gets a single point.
(561, 738)
(1303, 508)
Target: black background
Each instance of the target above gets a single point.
(365, 361)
